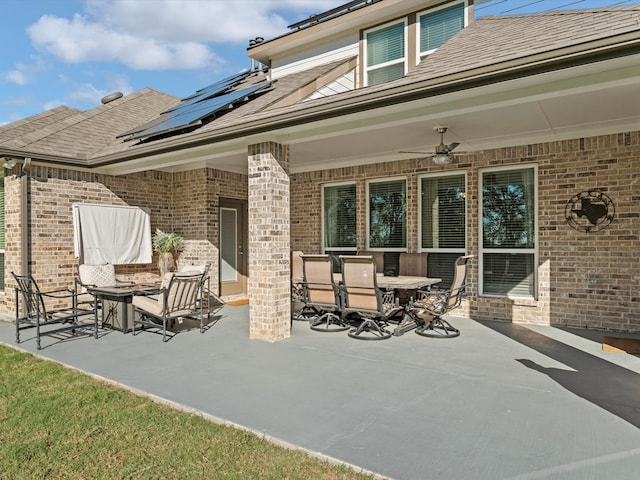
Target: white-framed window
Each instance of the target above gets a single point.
(437, 26)
(385, 50)
(508, 231)
(387, 214)
(442, 222)
(339, 217)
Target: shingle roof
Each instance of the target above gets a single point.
(79, 134)
(45, 121)
(492, 40)
(487, 42)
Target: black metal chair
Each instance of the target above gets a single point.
(205, 287)
(43, 309)
(363, 298)
(436, 303)
(179, 298)
(321, 295)
(299, 308)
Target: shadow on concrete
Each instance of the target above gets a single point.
(605, 384)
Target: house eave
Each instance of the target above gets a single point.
(367, 99)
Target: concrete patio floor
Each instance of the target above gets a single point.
(501, 401)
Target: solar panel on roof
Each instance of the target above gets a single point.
(219, 86)
(191, 115)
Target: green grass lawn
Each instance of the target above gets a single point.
(56, 423)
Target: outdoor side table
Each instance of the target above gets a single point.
(117, 308)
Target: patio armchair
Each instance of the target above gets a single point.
(205, 293)
(436, 303)
(321, 294)
(92, 276)
(44, 309)
(363, 297)
(104, 275)
(178, 299)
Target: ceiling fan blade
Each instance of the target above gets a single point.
(453, 145)
(415, 152)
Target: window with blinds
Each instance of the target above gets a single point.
(442, 223)
(442, 212)
(508, 246)
(339, 216)
(387, 213)
(438, 27)
(385, 53)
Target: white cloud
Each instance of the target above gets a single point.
(78, 40)
(25, 73)
(51, 104)
(86, 93)
(165, 34)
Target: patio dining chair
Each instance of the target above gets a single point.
(57, 308)
(436, 303)
(363, 298)
(322, 295)
(413, 264)
(178, 299)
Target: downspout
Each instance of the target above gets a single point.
(25, 250)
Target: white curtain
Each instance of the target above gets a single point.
(111, 234)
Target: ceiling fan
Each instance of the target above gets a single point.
(442, 154)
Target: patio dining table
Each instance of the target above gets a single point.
(406, 283)
(117, 309)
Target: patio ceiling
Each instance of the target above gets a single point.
(592, 99)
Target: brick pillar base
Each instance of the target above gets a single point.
(269, 242)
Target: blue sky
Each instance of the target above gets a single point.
(74, 52)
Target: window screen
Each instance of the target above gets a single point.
(508, 232)
(339, 216)
(388, 214)
(443, 212)
(385, 54)
(438, 27)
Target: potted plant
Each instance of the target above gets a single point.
(166, 244)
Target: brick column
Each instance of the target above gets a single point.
(269, 242)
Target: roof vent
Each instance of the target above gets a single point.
(252, 43)
(111, 97)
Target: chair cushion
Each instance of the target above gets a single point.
(98, 275)
(149, 304)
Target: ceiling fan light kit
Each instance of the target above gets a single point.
(443, 159)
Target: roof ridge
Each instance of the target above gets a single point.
(81, 116)
(47, 113)
(557, 13)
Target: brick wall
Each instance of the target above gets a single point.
(586, 280)
(269, 244)
(182, 202)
